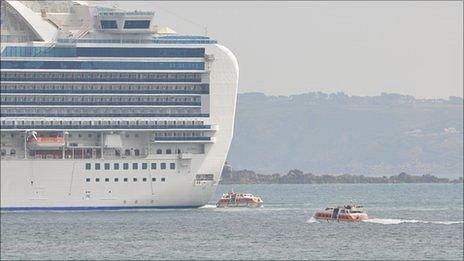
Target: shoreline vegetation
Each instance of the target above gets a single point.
(295, 176)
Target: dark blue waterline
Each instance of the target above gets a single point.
(12, 209)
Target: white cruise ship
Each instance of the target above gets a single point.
(103, 109)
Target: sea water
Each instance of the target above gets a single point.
(407, 221)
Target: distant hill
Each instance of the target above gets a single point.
(337, 134)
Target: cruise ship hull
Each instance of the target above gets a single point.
(103, 110)
(55, 184)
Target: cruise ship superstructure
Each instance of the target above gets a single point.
(101, 108)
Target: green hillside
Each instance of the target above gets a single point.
(336, 133)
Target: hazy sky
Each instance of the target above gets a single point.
(360, 48)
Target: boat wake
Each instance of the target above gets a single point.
(393, 221)
(311, 220)
(208, 206)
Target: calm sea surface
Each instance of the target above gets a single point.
(408, 221)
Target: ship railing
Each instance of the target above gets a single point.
(138, 41)
(182, 138)
(6, 157)
(110, 126)
(100, 103)
(150, 115)
(106, 91)
(112, 12)
(126, 157)
(46, 140)
(69, 79)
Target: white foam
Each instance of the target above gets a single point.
(208, 206)
(311, 220)
(392, 221)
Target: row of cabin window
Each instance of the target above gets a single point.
(125, 166)
(51, 109)
(179, 134)
(136, 152)
(168, 151)
(61, 86)
(163, 134)
(97, 123)
(100, 75)
(12, 151)
(39, 51)
(89, 135)
(101, 65)
(124, 179)
(97, 99)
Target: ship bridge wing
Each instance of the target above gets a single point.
(41, 27)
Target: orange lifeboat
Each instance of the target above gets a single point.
(45, 141)
(233, 199)
(351, 212)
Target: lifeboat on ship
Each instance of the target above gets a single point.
(351, 212)
(45, 141)
(233, 199)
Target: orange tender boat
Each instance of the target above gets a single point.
(45, 141)
(351, 212)
(233, 199)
